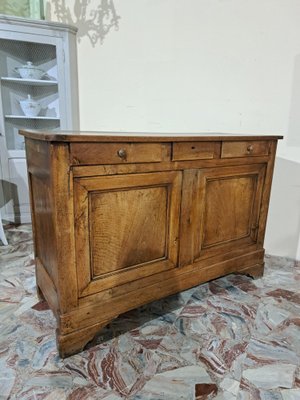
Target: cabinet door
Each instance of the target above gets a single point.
(220, 210)
(51, 48)
(126, 228)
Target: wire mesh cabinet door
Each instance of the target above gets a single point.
(38, 71)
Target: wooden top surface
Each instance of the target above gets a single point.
(80, 136)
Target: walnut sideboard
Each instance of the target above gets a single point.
(120, 219)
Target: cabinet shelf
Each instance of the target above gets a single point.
(16, 153)
(33, 82)
(26, 117)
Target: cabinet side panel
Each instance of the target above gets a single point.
(38, 162)
(266, 194)
(38, 158)
(44, 229)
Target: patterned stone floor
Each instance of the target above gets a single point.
(232, 338)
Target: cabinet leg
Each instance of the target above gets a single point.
(75, 342)
(39, 293)
(255, 271)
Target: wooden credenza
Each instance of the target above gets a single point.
(120, 220)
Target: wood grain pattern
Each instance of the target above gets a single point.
(118, 236)
(189, 216)
(266, 194)
(131, 286)
(126, 224)
(63, 220)
(86, 316)
(230, 200)
(115, 235)
(41, 203)
(118, 153)
(228, 209)
(74, 342)
(46, 287)
(119, 169)
(139, 137)
(245, 149)
(195, 150)
(38, 158)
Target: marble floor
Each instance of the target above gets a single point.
(232, 338)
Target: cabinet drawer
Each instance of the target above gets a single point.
(118, 153)
(245, 149)
(195, 151)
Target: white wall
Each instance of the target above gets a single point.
(200, 65)
(283, 229)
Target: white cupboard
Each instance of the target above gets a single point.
(51, 48)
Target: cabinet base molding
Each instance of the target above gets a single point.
(75, 341)
(255, 272)
(78, 327)
(122, 220)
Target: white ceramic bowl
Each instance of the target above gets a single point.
(30, 107)
(29, 71)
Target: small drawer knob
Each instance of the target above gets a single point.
(122, 154)
(250, 148)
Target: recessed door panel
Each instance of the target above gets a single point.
(126, 228)
(220, 210)
(230, 199)
(228, 209)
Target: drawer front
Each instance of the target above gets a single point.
(195, 151)
(118, 153)
(245, 149)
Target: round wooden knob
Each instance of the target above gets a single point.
(122, 154)
(250, 148)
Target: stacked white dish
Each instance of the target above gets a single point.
(29, 71)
